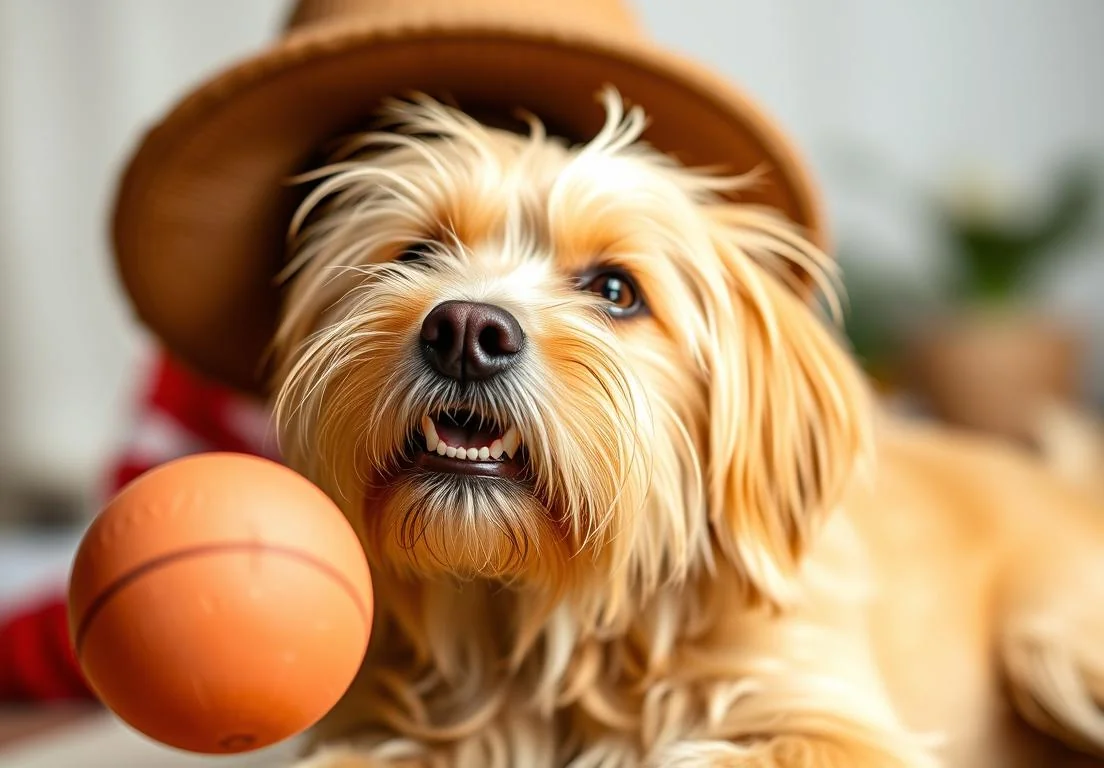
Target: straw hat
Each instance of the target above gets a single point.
(203, 206)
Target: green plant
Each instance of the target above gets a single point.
(997, 257)
(994, 253)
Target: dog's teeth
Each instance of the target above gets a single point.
(430, 431)
(507, 444)
(510, 441)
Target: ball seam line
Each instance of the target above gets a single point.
(207, 549)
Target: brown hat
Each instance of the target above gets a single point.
(203, 207)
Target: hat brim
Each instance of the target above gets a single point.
(202, 208)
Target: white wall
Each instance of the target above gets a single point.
(78, 80)
(1009, 84)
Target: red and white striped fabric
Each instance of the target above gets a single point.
(182, 414)
(179, 414)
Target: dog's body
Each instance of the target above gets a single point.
(989, 575)
(675, 537)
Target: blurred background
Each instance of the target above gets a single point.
(960, 144)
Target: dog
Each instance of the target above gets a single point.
(625, 494)
(1071, 440)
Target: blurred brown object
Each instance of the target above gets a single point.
(996, 370)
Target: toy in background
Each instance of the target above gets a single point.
(977, 350)
(220, 603)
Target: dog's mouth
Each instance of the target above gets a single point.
(466, 443)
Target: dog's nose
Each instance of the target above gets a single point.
(467, 341)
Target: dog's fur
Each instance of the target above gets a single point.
(722, 554)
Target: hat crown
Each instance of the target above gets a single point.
(599, 18)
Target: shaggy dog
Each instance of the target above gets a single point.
(625, 497)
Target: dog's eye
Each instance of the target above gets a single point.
(415, 252)
(618, 289)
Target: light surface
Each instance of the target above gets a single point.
(102, 741)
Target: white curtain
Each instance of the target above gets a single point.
(1010, 84)
(79, 80)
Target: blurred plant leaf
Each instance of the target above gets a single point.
(997, 258)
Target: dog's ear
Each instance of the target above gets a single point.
(788, 405)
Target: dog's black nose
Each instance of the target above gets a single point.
(468, 341)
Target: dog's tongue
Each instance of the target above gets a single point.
(469, 435)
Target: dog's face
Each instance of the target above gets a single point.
(572, 367)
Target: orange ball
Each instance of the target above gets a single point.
(220, 603)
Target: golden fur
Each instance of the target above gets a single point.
(725, 556)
